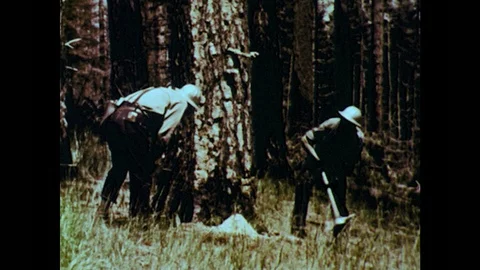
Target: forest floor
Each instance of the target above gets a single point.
(374, 239)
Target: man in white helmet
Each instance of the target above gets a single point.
(334, 147)
(136, 132)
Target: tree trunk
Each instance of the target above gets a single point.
(411, 63)
(324, 100)
(356, 23)
(402, 89)
(157, 40)
(386, 78)
(65, 151)
(417, 86)
(170, 60)
(103, 49)
(267, 95)
(285, 14)
(377, 16)
(370, 93)
(223, 142)
(303, 76)
(128, 60)
(362, 71)
(394, 72)
(343, 55)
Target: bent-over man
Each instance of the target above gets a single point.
(136, 133)
(333, 148)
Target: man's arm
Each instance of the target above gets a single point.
(171, 121)
(238, 52)
(357, 155)
(361, 138)
(308, 146)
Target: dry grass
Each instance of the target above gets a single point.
(368, 243)
(375, 239)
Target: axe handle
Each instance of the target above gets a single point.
(336, 213)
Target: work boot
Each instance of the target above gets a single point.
(299, 232)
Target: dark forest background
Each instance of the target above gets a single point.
(315, 58)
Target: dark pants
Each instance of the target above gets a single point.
(173, 196)
(131, 151)
(163, 184)
(303, 191)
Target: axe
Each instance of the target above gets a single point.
(336, 214)
(311, 150)
(338, 218)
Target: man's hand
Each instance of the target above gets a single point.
(253, 54)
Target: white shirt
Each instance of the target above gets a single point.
(166, 101)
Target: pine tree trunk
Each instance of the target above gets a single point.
(362, 71)
(103, 48)
(285, 14)
(156, 41)
(370, 93)
(267, 95)
(324, 105)
(402, 90)
(223, 142)
(304, 24)
(65, 153)
(411, 63)
(181, 63)
(417, 86)
(171, 61)
(386, 77)
(128, 60)
(378, 59)
(394, 71)
(343, 55)
(356, 23)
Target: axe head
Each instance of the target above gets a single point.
(340, 223)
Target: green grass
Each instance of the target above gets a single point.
(375, 239)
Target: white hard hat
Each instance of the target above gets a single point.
(352, 114)
(192, 94)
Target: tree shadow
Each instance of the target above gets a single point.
(119, 222)
(139, 223)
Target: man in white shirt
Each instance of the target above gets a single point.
(142, 123)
